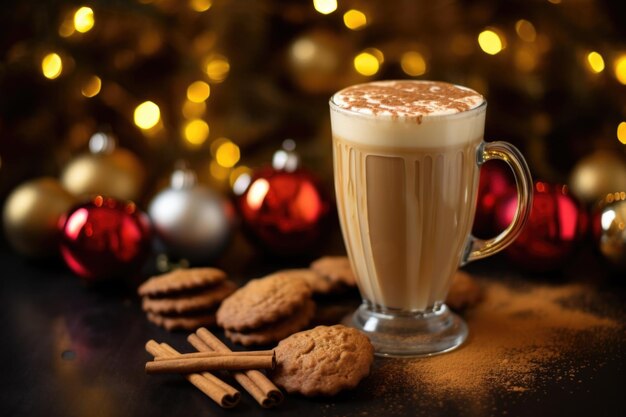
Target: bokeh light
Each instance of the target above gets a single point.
(413, 63)
(303, 49)
(147, 115)
(377, 53)
(621, 132)
(218, 172)
(256, 194)
(217, 68)
(595, 61)
(196, 132)
(66, 29)
(620, 69)
(84, 19)
(525, 30)
(239, 179)
(200, 5)
(198, 91)
(526, 59)
(354, 19)
(366, 63)
(92, 87)
(51, 66)
(325, 6)
(227, 154)
(490, 42)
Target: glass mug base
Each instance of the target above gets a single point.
(409, 334)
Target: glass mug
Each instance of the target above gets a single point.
(406, 194)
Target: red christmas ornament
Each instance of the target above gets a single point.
(496, 182)
(105, 238)
(283, 208)
(556, 225)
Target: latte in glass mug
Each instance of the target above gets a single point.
(407, 158)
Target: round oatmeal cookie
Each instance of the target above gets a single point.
(464, 292)
(262, 301)
(274, 332)
(181, 280)
(323, 361)
(336, 268)
(191, 322)
(202, 300)
(319, 284)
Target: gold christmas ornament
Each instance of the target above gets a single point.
(31, 213)
(105, 170)
(318, 62)
(598, 174)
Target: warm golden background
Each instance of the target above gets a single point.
(221, 83)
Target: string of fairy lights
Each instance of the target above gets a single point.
(195, 131)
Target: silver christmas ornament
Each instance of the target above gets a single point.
(191, 221)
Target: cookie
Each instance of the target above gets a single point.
(323, 361)
(262, 301)
(464, 292)
(191, 322)
(336, 268)
(329, 314)
(274, 332)
(181, 280)
(319, 284)
(204, 299)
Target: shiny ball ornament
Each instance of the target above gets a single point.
(597, 175)
(284, 210)
(191, 221)
(106, 170)
(105, 239)
(31, 214)
(496, 182)
(610, 229)
(317, 62)
(556, 225)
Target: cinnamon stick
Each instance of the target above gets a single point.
(214, 388)
(253, 381)
(212, 354)
(215, 363)
(209, 376)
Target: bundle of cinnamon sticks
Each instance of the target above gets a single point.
(213, 355)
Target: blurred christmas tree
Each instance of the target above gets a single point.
(223, 82)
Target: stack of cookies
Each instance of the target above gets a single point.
(329, 275)
(267, 310)
(334, 275)
(185, 298)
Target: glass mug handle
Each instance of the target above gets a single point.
(478, 248)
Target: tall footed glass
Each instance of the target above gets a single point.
(407, 157)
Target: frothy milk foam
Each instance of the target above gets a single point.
(406, 179)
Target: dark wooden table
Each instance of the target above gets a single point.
(72, 350)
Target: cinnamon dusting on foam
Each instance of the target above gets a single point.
(409, 100)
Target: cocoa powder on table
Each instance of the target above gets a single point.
(515, 333)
